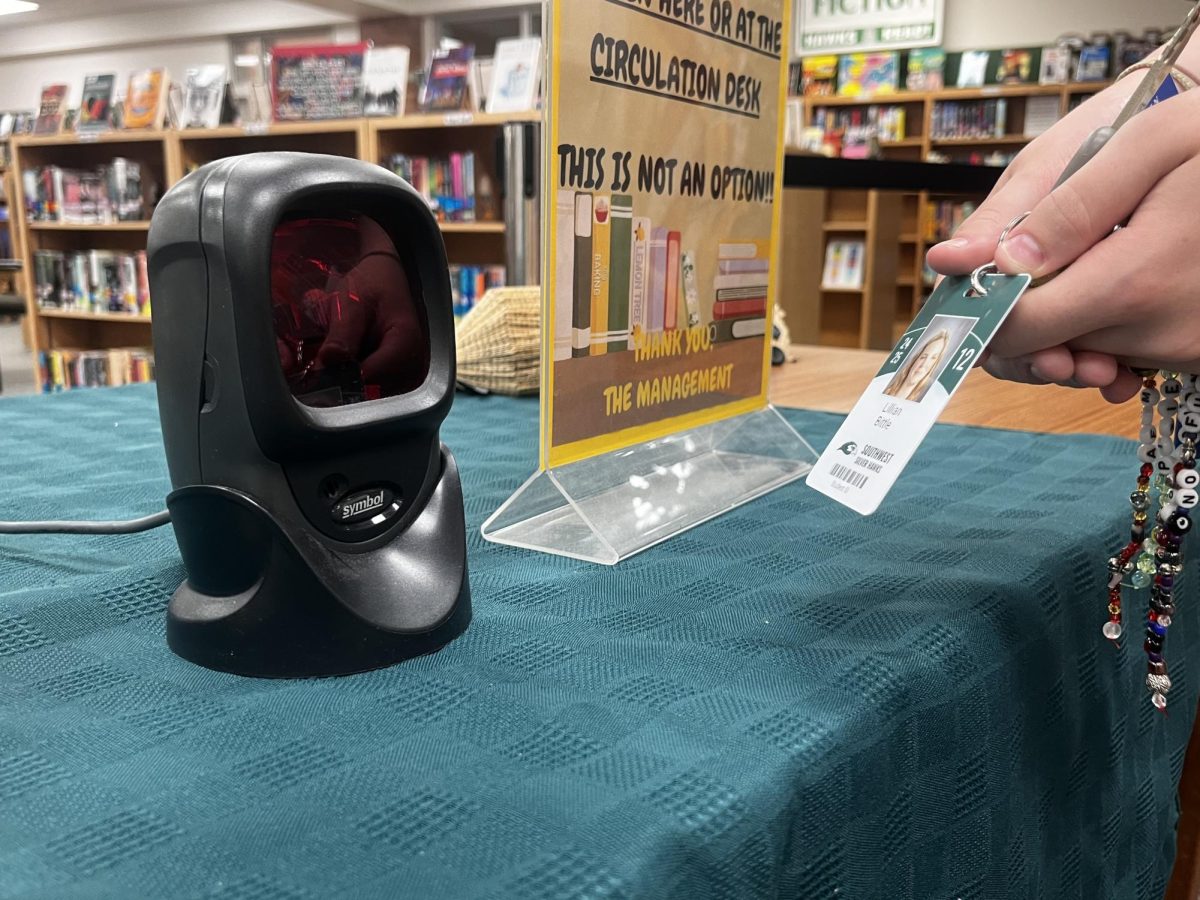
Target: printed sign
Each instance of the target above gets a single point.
(663, 166)
(848, 26)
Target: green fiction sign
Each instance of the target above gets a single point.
(850, 26)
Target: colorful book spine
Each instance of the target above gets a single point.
(671, 296)
(742, 266)
(581, 324)
(658, 278)
(691, 293)
(639, 277)
(601, 249)
(564, 274)
(739, 309)
(736, 329)
(619, 273)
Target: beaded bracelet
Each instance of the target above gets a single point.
(1168, 455)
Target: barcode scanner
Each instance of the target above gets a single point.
(304, 345)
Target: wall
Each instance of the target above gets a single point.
(988, 24)
(175, 37)
(21, 80)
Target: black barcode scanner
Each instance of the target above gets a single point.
(304, 346)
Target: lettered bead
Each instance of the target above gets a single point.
(1190, 420)
(1172, 387)
(1148, 454)
(1187, 478)
(1150, 395)
(1191, 403)
(1182, 524)
(1187, 498)
(1147, 436)
(1168, 408)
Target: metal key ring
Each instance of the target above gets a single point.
(1011, 227)
(977, 277)
(991, 268)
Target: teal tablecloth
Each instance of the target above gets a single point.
(787, 702)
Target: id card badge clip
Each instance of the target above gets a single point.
(904, 400)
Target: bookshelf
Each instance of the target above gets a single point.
(921, 109)
(168, 155)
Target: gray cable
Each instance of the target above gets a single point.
(129, 526)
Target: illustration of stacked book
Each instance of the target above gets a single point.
(63, 370)
(97, 281)
(447, 183)
(743, 270)
(618, 275)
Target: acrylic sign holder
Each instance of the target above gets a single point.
(608, 508)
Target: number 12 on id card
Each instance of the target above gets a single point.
(902, 403)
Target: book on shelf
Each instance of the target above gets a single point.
(468, 284)
(447, 183)
(446, 87)
(1095, 63)
(95, 106)
(926, 69)
(92, 281)
(1056, 65)
(16, 123)
(64, 370)
(516, 75)
(943, 218)
(844, 265)
(480, 81)
(888, 123)
(203, 96)
(1016, 67)
(818, 76)
(868, 74)
(100, 196)
(146, 99)
(598, 284)
(965, 119)
(51, 109)
(972, 68)
(1041, 114)
(385, 81)
(317, 81)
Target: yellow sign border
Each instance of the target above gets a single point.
(550, 457)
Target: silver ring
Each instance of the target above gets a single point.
(977, 277)
(1010, 227)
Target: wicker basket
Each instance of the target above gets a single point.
(499, 342)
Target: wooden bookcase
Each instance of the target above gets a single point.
(169, 155)
(921, 106)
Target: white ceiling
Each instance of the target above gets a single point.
(67, 10)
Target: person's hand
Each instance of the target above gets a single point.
(1122, 300)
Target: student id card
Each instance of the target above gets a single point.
(902, 403)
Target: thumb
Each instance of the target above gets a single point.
(1104, 193)
(974, 243)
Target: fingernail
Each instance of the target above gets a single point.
(1033, 370)
(956, 244)
(1025, 252)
